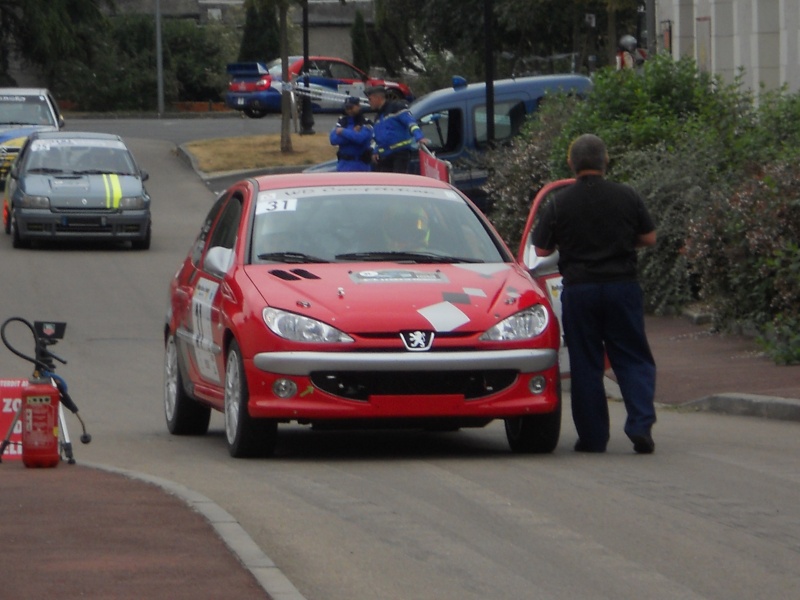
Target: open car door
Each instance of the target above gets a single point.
(544, 269)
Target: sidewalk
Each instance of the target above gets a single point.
(82, 532)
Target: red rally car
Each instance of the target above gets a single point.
(357, 300)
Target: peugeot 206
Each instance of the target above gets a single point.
(343, 300)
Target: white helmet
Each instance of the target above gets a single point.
(628, 42)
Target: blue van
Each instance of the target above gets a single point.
(454, 120)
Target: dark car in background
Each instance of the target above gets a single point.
(77, 185)
(256, 88)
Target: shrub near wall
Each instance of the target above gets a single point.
(692, 146)
(744, 248)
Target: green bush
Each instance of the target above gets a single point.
(728, 228)
(744, 249)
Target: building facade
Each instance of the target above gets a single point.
(759, 39)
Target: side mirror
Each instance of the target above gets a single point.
(218, 260)
(542, 265)
(144, 174)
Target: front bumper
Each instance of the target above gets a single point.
(391, 385)
(44, 224)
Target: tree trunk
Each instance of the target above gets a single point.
(286, 99)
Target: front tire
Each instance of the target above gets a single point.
(247, 437)
(17, 240)
(185, 416)
(534, 434)
(143, 243)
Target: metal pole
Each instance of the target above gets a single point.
(159, 60)
(650, 8)
(489, 59)
(306, 118)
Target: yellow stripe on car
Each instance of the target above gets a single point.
(113, 190)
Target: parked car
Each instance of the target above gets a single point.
(77, 185)
(255, 88)
(23, 111)
(455, 121)
(356, 300)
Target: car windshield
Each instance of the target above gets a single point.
(25, 110)
(370, 223)
(79, 156)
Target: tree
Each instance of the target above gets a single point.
(360, 43)
(44, 32)
(261, 37)
(286, 99)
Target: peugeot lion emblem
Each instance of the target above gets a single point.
(417, 341)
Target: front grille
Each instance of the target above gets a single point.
(360, 385)
(82, 209)
(88, 224)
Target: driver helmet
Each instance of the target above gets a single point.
(628, 42)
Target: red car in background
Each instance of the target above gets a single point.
(255, 88)
(345, 300)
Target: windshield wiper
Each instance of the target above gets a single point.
(291, 257)
(45, 170)
(100, 172)
(420, 257)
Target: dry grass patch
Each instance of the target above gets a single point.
(259, 152)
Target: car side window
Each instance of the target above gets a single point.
(227, 227)
(343, 71)
(200, 242)
(443, 129)
(508, 119)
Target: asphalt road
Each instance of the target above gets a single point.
(713, 514)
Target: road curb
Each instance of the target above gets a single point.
(748, 405)
(189, 158)
(267, 574)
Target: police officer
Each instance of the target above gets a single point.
(397, 134)
(353, 134)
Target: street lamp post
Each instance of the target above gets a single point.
(159, 61)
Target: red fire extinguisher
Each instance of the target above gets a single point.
(39, 415)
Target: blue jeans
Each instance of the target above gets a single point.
(608, 317)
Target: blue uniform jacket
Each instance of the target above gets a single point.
(396, 129)
(355, 145)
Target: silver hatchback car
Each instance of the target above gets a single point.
(77, 185)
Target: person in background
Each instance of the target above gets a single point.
(397, 134)
(629, 55)
(597, 225)
(353, 134)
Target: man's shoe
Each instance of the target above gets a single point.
(643, 443)
(580, 446)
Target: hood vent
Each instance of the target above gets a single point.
(293, 275)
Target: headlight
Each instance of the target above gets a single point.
(301, 329)
(34, 202)
(524, 325)
(132, 203)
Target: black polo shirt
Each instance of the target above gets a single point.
(595, 224)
